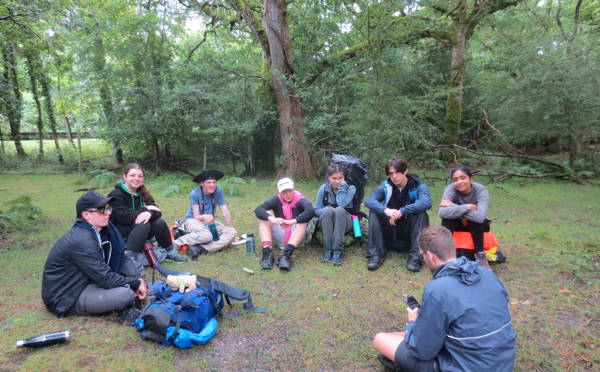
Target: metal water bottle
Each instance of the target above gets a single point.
(46, 339)
(250, 248)
(213, 230)
(356, 226)
(149, 252)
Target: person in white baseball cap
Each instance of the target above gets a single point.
(283, 221)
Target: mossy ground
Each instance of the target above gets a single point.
(320, 317)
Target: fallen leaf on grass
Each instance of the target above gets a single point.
(564, 290)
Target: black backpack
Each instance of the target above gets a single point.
(356, 174)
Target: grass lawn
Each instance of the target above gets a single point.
(320, 317)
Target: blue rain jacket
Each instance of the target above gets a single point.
(464, 320)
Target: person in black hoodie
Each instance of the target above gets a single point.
(137, 216)
(86, 272)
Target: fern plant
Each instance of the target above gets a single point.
(19, 215)
(102, 178)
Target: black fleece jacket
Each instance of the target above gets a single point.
(75, 261)
(303, 211)
(126, 207)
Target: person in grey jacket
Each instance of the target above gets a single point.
(463, 324)
(398, 214)
(334, 207)
(464, 207)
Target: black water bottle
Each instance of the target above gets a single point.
(46, 339)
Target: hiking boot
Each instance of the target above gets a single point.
(482, 260)
(413, 266)
(173, 256)
(128, 316)
(326, 257)
(338, 258)
(285, 261)
(267, 259)
(387, 363)
(375, 262)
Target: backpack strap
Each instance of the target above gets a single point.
(229, 291)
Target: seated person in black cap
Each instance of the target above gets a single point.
(201, 215)
(86, 272)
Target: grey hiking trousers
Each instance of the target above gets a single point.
(95, 300)
(335, 223)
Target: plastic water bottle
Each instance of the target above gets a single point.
(356, 226)
(46, 339)
(250, 248)
(213, 230)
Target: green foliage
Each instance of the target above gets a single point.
(171, 190)
(20, 213)
(101, 178)
(230, 185)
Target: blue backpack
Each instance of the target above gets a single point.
(188, 319)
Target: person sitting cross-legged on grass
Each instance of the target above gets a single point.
(283, 220)
(200, 217)
(87, 272)
(137, 216)
(333, 206)
(463, 323)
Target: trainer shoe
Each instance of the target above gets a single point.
(175, 257)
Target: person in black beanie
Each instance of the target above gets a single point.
(87, 272)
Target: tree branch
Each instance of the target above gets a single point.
(568, 174)
(236, 72)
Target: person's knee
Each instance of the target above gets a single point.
(328, 212)
(123, 297)
(159, 223)
(339, 211)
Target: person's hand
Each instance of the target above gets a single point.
(471, 207)
(276, 220)
(288, 223)
(152, 208)
(208, 219)
(445, 203)
(392, 222)
(142, 290)
(413, 314)
(143, 217)
(394, 214)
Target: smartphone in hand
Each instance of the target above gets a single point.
(412, 302)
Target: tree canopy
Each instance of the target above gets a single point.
(272, 86)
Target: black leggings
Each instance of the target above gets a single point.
(144, 231)
(476, 230)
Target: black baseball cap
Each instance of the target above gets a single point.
(91, 199)
(208, 174)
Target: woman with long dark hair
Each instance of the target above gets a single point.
(464, 207)
(136, 214)
(333, 207)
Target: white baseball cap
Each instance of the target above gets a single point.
(284, 184)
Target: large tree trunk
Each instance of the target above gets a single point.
(107, 106)
(457, 78)
(36, 97)
(11, 96)
(50, 113)
(296, 161)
